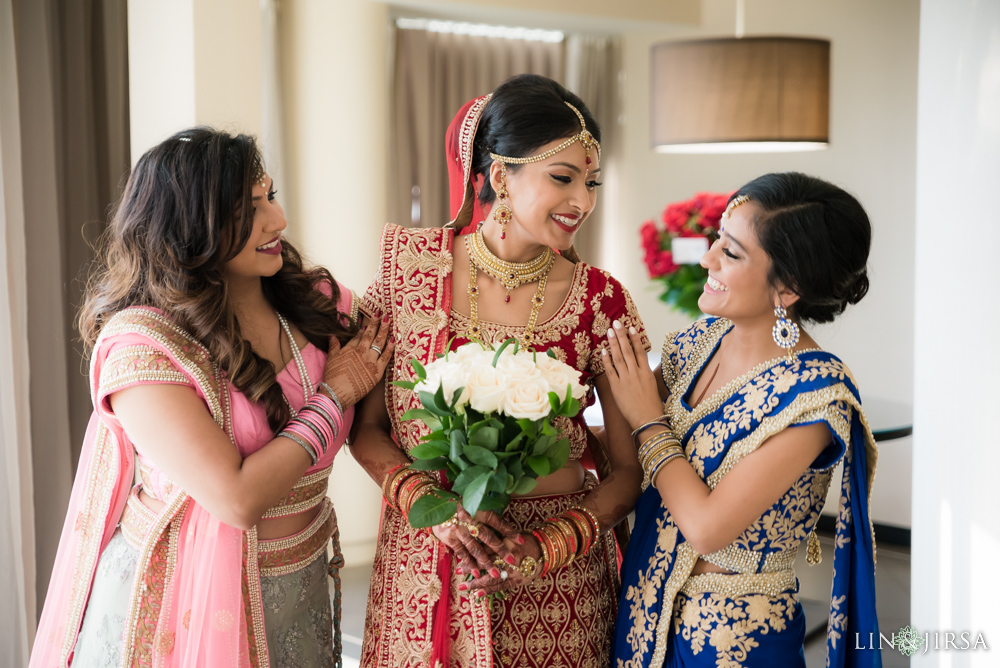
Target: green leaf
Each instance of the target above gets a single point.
(541, 445)
(524, 485)
(467, 476)
(429, 403)
(436, 464)
(428, 418)
(493, 502)
(405, 384)
(529, 427)
(431, 509)
(474, 493)
(558, 454)
(499, 483)
(480, 456)
(571, 408)
(554, 402)
(457, 445)
(430, 450)
(419, 368)
(485, 437)
(551, 353)
(514, 443)
(539, 464)
(515, 468)
(548, 429)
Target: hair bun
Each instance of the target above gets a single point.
(857, 290)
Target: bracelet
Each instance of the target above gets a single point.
(651, 477)
(305, 446)
(662, 421)
(388, 478)
(398, 480)
(333, 396)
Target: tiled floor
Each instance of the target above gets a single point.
(892, 591)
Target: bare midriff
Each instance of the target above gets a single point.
(276, 527)
(566, 480)
(703, 566)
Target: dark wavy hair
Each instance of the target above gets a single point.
(525, 113)
(818, 238)
(186, 210)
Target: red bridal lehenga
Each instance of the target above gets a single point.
(416, 616)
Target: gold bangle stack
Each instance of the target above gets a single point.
(404, 486)
(655, 452)
(566, 537)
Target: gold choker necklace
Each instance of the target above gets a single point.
(510, 275)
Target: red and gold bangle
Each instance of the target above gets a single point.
(583, 527)
(415, 488)
(548, 550)
(399, 478)
(387, 480)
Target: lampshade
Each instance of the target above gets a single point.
(751, 94)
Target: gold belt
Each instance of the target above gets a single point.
(309, 492)
(281, 556)
(741, 584)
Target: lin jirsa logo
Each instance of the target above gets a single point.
(908, 641)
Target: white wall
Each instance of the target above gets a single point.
(956, 526)
(336, 98)
(871, 154)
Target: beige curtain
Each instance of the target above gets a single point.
(434, 75)
(70, 64)
(17, 543)
(593, 67)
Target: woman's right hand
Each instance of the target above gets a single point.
(352, 371)
(475, 542)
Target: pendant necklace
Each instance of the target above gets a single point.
(510, 275)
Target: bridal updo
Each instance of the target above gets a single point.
(525, 113)
(818, 238)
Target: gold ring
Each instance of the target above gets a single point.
(473, 528)
(527, 566)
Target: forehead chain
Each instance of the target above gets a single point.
(586, 140)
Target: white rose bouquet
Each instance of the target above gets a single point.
(490, 413)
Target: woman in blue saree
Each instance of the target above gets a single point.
(739, 433)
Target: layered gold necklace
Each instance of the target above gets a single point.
(511, 275)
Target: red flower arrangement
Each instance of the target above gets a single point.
(696, 217)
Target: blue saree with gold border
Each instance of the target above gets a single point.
(752, 617)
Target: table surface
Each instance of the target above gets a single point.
(888, 419)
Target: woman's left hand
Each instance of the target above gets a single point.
(632, 381)
(523, 546)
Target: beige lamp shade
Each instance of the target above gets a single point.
(751, 94)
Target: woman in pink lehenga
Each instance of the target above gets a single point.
(223, 376)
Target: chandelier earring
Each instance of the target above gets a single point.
(785, 331)
(503, 213)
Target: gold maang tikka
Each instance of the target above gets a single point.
(503, 213)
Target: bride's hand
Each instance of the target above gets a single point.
(518, 572)
(473, 541)
(632, 381)
(352, 371)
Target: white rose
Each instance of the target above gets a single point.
(528, 398)
(449, 376)
(486, 385)
(454, 376)
(560, 376)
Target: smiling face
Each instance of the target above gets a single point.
(551, 198)
(261, 256)
(738, 287)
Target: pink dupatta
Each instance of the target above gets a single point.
(196, 597)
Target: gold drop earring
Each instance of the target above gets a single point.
(503, 213)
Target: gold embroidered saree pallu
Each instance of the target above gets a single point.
(752, 617)
(415, 614)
